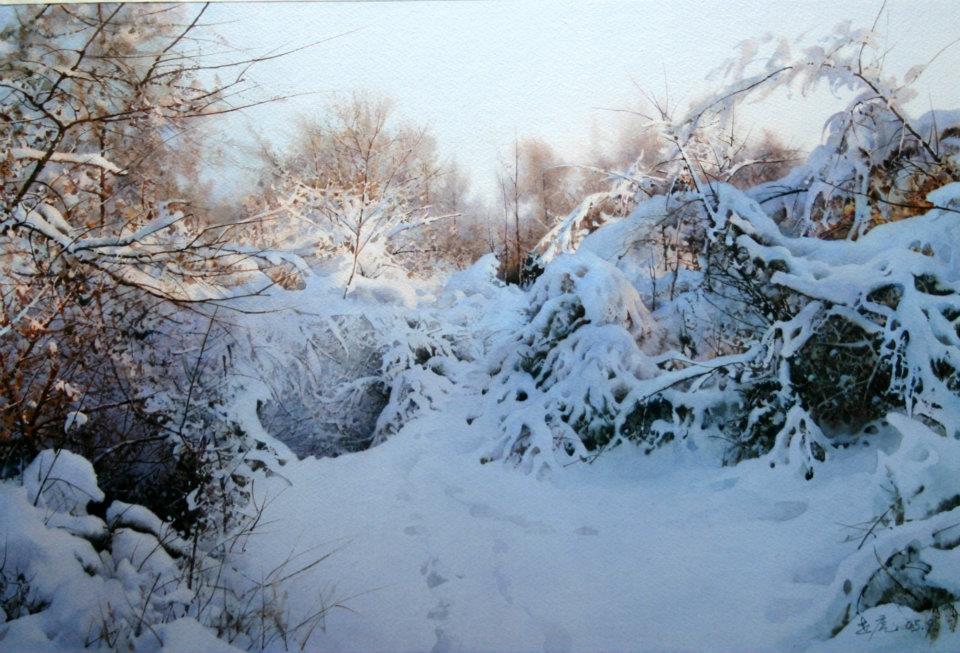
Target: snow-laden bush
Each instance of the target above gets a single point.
(124, 580)
(344, 374)
(72, 580)
(325, 393)
(420, 366)
(566, 382)
(909, 554)
(891, 297)
(354, 379)
(844, 331)
(778, 341)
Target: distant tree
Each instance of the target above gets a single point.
(535, 191)
(458, 241)
(355, 183)
(545, 182)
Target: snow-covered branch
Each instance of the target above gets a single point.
(94, 160)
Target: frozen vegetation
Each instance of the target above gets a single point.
(718, 412)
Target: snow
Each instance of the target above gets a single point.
(62, 481)
(651, 549)
(67, 157)
(75, 419)
(478, 279)
(437, 538)
(136, 516)
(435, 552)
(60, 593)
(183, 635)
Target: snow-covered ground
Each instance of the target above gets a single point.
(433, 551)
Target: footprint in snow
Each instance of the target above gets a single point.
(503, 585)
(415, 528)
(440, 612)
(821, 575)
(446, 643)
(429, 569)
(483, 511)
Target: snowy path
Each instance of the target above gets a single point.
(437, 552)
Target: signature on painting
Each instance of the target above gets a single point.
(881, 625)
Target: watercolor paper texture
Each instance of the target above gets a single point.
(480, 326)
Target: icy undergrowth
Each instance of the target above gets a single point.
(71, 580)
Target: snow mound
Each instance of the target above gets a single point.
(61, 481)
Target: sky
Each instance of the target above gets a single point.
(479, 74)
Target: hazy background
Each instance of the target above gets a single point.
(479, 73)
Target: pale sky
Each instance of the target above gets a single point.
(479, 73)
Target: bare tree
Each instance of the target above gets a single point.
(355, 184)
(102, 249)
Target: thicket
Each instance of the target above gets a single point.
(114, 348)
(783, 318)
